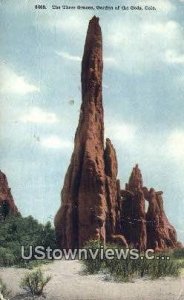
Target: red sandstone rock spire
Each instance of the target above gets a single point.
(160, 233)
(113, 197)
(83, 211)
(133, 211)
(135, 180)
(7, 204)
(93, 206)
(143, 229)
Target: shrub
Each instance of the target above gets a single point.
(120, 270)
(6, 257)
(178, 253)
(125, 269)
(4, 292)
(18, 231)
(34, 282)
(92, 266)
(161, 268)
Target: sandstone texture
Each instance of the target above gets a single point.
(160, 233)
(82, 214)
(133, 211)
(7, 204)
(93, 205)
(113, 197)
(145, 229)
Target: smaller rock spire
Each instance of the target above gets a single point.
(135, 180)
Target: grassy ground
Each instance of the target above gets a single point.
(69, 282)
(163, 265)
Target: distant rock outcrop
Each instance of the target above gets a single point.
(7, 204)
(93, 204)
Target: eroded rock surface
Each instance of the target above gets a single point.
(113, 197)
(83, 211)
(93, 206)
(143, 229)
(133, 211)
(7, 204)
(160, 233)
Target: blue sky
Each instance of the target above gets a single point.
(40, 97)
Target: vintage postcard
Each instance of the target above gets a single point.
(92, 149)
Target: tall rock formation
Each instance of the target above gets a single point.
(113, 197)
(133, 211)
(93, 206)
(160, 233)
(7, 204)
(89, 195)
(82, 215)
(143, 229)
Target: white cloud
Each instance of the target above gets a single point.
(174, 58)
(105, 86)
(54, 142)
(143, 43)
(68, 56)
(175, 145)
(37, 115)
(121, 132)
(109, 61)
(167, 147)
(12, 83)
(162, 6)
(138, 42)
(146, 45)
(71, 22)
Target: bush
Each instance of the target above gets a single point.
(18, 231)
(4, 292)
(178, 253)
(92, 266)
(6, 257)
(161, 268)
(125, 269)
(34, 282)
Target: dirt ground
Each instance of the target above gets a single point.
(68, 282)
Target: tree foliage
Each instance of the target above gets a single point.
(18, 231)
